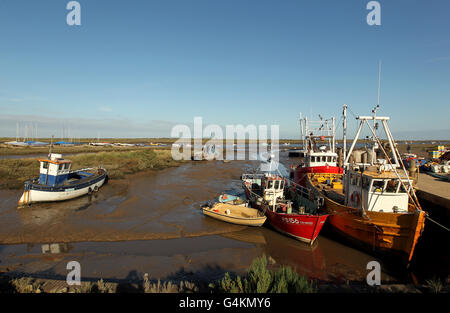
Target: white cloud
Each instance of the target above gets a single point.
(104, 108)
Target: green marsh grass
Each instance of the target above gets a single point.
(14, 172)
(260, 279)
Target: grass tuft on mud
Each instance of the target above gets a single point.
(14, 172)
(261, 279)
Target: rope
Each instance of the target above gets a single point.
(447, 229)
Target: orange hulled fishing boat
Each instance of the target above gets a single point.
(373, 203)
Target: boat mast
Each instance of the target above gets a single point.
(301, 130)
(334, 135)
(50, 149)
(375, 124)
(379, 81)
(344, 132)
(307, 138)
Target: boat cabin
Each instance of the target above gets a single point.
(273, 187)
(268, 186)
(375, 191)
(54, 170)
(321, 158)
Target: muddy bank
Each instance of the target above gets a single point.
(204, 258)
(149, 205)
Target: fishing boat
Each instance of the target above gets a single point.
(235, 214)
(57, 182)
(297, 217)
(319, 149)
(373, 204)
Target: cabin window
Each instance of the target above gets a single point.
(378, 186)
(282, 185)
(66, 166)
(60, 167)
(269, 184)
(45, 165)
(392, 185)
(277, 184)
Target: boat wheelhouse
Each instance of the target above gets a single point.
(377, 191)
(54, 170)
(262, 187)
(321, 158)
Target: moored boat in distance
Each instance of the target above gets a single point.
(297, 217)
(57, 182)
(373, 204)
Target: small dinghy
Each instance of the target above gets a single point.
(57, 182)
(235, 214)
(231, 199)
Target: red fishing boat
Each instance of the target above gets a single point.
(297, 217)
(319, 155)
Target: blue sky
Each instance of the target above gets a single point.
(135, 68)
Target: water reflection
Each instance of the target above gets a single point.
(308, 260)
(55, 248)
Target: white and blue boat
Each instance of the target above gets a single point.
(230, 199)
(57, 182)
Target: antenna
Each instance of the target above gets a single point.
(50, 150)
(374, 111)
(379, 81)
(344, 132)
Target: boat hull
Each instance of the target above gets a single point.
(303, 227)
(395, 234)
(37, 193)
(234, 218)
